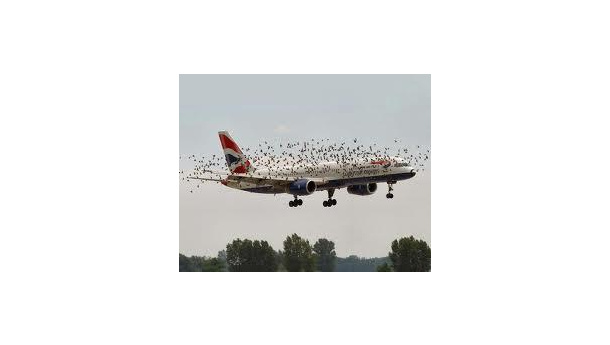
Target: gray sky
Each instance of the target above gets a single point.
(253, 108)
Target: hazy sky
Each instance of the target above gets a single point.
(253, 108)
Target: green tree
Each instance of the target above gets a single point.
(279, 258)
(354, 263)
(185, 264)
(384, 268)
(410, 255)
(203, 264)
(214, 265)
(197, 262)
(325, 255)
(248, 256)
(297, 254)
(222, 257)
(200, 264)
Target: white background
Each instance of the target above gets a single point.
(89, 142)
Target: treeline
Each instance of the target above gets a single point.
(354, 263)
(298, 255)
(201, 264)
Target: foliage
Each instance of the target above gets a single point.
(248, 256)
(185, 264)
(222, 257)
(325, 255)
(354, 263)
(384, 268)
(279, 259)
(407, 255)
(410, 255)
(297, 254)
(203, 264)
(200, 264)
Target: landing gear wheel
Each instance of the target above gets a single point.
(329, 202)
(389, 195)
(296, 202)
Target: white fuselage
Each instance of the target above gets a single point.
(327, 175)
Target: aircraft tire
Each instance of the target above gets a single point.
(334, 202)
(290, 203)
(300, 202)
(325, 203)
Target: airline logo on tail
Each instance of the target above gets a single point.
(236, 160)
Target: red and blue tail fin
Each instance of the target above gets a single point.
(236, 160)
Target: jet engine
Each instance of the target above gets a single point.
(302, 187)
(362, 189)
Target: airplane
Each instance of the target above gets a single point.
(360, 177)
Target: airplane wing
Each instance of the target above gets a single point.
(204, 179)
(262, 180)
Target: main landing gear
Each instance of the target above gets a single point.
(296, 202)
(390, 189)
(330, 202)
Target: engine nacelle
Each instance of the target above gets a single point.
(302, 187)
(362, 189)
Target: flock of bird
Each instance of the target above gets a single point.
(284, 158)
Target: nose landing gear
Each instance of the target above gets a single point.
(390, 189)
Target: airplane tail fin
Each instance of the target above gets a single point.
(236, 160)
